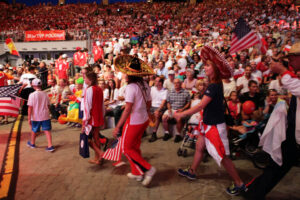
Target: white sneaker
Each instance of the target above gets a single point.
(148, 176)
(136, 177)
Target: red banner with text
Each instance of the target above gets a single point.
(45, 35)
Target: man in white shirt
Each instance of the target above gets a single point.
(38, 114)
(263, 184)
(242, 82)
(159, 97)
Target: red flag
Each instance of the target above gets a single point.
(11, 46)
(243, 37)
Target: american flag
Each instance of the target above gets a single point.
(9, 103)
(243, 37)
(114, 153)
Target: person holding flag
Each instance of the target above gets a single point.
(135, 118)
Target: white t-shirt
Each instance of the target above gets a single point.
(25, 79)
(115, 97)
(133, 94)
(228, 88)
(39, 101)
(243, 81)
(158, 96)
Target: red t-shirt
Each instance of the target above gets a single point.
(3, 79)
(62, 68)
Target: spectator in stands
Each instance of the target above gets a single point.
(43, 72)
(158, 107)
(242, 82)
(169, 82)
(177, 101)
(253, 95)
(190, 82)
(161, 69)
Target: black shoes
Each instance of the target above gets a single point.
(166, 137)
(153, 138)
(177, 139)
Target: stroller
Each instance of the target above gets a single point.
(247, 144)
(189, 140)
(191, 132)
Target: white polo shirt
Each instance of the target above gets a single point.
(158, 96)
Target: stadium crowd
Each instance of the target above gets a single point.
(169, 38)
(143, 20)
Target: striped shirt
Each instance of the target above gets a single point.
(178, 99)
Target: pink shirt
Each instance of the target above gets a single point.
(39, 101)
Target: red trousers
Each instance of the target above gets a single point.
(131, 147)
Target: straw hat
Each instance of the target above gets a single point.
(295, 49)
(210, 53)
(132, 66)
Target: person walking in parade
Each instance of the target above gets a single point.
(214, 134)
(135, 116)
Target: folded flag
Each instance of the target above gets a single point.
(114, 152)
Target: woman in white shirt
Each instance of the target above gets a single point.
(135, 116)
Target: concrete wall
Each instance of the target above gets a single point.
(48, 46)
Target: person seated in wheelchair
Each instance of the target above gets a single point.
(159, 97)
(178, 100)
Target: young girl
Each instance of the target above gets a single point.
(93, 114)
(215, 133)
(234, 105)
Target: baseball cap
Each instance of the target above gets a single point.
(1, 67)
(98, 43)
(36, 82)
(64, 56)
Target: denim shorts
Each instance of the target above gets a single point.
(36, 125)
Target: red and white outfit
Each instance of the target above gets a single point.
(62, 69)
(3, 79)
(98, 53)
(134, 128)
(93, 107)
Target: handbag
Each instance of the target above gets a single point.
(84, 146)
(228, 117)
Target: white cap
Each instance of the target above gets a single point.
(98, 43)
(10, 68)
(171, 72)
(36, 82)
(1, 67)
(64, 56)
